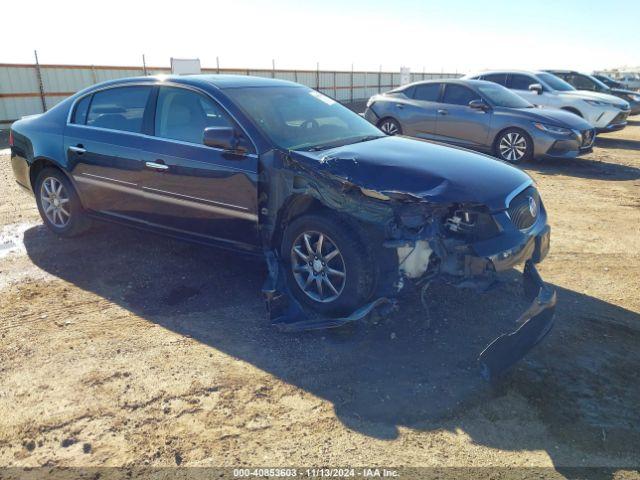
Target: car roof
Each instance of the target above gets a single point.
(505, 71)
(220, 81)
(460, 81)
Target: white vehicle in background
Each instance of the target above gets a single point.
(605, 112)
(631, 80)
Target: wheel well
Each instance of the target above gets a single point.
(572, 110)
(293, 207)
(39, 165)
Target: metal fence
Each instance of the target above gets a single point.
(26, 89)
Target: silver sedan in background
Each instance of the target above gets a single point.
(481, 115)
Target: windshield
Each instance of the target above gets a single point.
(500, 96)
(298, 118)
(555, 82)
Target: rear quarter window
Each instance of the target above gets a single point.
(81, 110)
(119, 108)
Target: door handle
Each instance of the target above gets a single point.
(443, 112)
(157, 166)
(399, 105)
(79, 149)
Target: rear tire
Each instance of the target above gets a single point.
(514, 146)
(332, 276)
(390, 126)
(59, 204)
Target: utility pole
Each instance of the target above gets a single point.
(40, 84)
(144, 66)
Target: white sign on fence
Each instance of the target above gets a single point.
(185, 66)
(405, 75)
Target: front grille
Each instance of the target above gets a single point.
(525, 208)
(620, 118)
(588, 136)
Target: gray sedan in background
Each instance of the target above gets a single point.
(480, 115)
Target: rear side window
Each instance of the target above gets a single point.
(580, 82)
(183, 114)
(120, 108)
(499, 78)
(458, 95)
(81, 111)
(429, 92)
(522, 82)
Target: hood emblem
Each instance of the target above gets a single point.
(533, 207)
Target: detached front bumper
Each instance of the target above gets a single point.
(533, 325)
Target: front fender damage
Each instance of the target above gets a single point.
(413, 227)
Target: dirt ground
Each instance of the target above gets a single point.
(122, 348)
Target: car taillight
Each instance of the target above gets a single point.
(11, 138)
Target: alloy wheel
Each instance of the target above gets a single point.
(513, 146)
(389, 127)
(318, 266)
(55, 202)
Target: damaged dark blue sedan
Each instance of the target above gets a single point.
(344, 215)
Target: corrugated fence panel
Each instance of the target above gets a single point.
(18, 80)
(308, 78)
(66, 80)
(14, 108)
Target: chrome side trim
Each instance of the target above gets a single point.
(172, 200)
(107, 178)
(515, 192)
(195, 198)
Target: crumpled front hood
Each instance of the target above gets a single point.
(433, 172)
(603, 97)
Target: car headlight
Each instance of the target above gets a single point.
(551, 129)
(599, 103)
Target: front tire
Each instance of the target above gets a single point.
(390, 126)
(59, 204)
(328, 268)
(514, 146)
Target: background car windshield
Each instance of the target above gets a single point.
(300, 118)
(555, 82)
(499, 96)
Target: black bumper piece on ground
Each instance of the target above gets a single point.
(535, 323)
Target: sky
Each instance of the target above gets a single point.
(448, 35)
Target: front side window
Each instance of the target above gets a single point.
(299, 118)
(428, 92)
(183, 115)
(522, 82)
(499, 78)
(555, 82)
(458, 95)
(119, 108)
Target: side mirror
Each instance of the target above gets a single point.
(536, 87)
(224, 138)
(478, 105)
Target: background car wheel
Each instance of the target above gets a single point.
(58, 204)
(390, 126)
(328, 268)
(514, 146)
